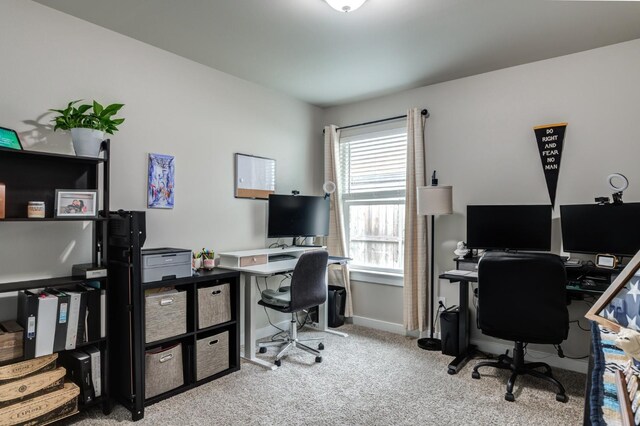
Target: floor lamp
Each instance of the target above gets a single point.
(432, 201)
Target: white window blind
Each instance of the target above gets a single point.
(374, 162)
(372, 182)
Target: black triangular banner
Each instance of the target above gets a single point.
(550, 138)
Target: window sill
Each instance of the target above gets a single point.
(385, 278)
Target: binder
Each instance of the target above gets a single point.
(46, 324)
(103, 314)
(62, 319)
(74, 316)
(78, 365)
(96, 373)
(27, 318)
(103, 307)
(92, 296)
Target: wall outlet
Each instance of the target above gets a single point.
(443, 300)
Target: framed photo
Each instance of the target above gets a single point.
(76, 203)
(255, 177)
(161, 184)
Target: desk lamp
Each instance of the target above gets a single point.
(433, 200)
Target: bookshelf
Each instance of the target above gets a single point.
(29, 176)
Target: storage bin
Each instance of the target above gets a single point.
(165, 315)
(212, 355)
(163, 370)
(214, 305)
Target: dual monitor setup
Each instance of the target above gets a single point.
(586, 228)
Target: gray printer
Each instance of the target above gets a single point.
(165, 263)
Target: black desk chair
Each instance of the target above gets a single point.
(308, 289)
(522, 298)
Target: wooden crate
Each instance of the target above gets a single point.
(43, 409)
(19, 370)
(32, 386)
(11, 343)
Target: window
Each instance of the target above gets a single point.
(373, 167)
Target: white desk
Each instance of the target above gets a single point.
(248, 274)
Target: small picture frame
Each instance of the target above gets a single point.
(71, 203)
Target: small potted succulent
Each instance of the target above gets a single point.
(88, 123)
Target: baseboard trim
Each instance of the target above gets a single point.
(269, 330)
(578, 365)
(391, 327)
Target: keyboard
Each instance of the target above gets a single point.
(280, 257)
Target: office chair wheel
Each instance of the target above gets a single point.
(263, 350)
(560, 397)
(318, 359)
(278, 362)
(320, 346)
(509, 397)
(475, 375)
(451, 371)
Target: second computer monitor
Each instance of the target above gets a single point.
(509, 227)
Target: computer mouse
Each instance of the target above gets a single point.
(284, 289)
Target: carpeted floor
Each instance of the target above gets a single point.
(369, 378)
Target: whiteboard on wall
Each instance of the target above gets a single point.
(255, 177)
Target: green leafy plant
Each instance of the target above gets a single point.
(88, 116)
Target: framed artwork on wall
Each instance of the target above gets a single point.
(161, 181)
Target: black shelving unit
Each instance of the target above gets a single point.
(126, 238)
(31, 175)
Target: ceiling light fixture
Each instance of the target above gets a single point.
(345, 5)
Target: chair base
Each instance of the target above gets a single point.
(291, 341)
(518, 368)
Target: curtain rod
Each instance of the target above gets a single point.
(423, 112)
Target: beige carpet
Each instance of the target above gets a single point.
(369, 378)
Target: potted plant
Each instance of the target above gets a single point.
(88, 123)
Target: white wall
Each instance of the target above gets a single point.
(480, 140)
(172, 106)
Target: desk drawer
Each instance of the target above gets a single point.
(254, 260)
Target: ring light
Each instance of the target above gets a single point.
(617, 176)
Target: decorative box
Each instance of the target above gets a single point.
(212, 355)
(11, 340)
(163, 370)
(43, 409)
(19, 370)
(32, 386)
(214, 305)
(165, 315)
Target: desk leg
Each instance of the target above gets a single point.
(249, 325)
(467, 351)
(323, 317)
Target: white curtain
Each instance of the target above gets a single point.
(415, 297)
(336, 243)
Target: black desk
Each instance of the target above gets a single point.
(466, 350)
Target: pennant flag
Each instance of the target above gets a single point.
(550, 138)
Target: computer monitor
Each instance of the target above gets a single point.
(524, 227)
(297, 216)
(593, 229)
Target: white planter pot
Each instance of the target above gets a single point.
(86, 142)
